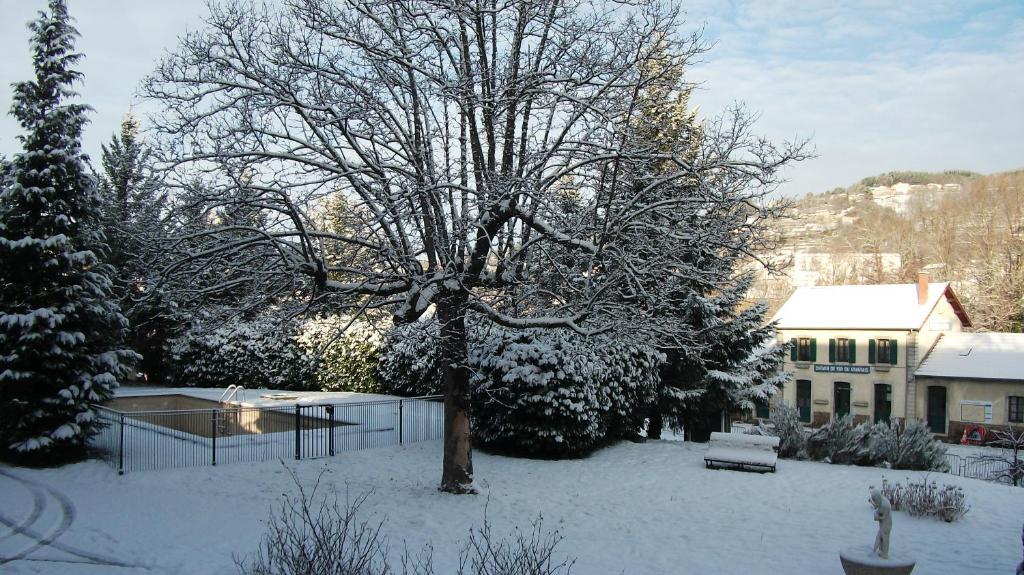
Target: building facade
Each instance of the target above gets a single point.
(855, 349)
(970, 380)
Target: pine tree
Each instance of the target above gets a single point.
(133, 206)
(59, 326)
(719, 356)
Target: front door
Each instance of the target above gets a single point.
(937, 409)
(803, 399)
(841, 399)
(883, 402)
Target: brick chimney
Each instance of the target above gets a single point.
(922, 287)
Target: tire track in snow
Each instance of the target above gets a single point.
(38, 503)
(67, 510)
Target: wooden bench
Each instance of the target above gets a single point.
(742, 451)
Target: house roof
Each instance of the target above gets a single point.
(892, 306)
(976, 356)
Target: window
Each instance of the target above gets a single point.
(843, 350)
(883, 351)
(804, 349)
(1016, 414)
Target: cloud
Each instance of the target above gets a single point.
(876, 87)
(879, 85)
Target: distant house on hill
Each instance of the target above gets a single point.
(855, 349)
(973, 379)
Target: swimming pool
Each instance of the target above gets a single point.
(207, 418)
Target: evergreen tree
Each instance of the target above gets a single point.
(719, 357)
(133, 206)
(59, 326)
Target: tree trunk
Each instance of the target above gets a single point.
(457, 468)
(700, 424)
(655, 422)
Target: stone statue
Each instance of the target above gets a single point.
(883, 515)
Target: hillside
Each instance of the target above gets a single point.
(958, 226)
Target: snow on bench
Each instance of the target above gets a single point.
(756, 452)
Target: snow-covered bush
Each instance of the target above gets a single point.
(785, 424)
(542, 393)
(345, 353)
(261, 353)
(839, 441)
(914, 447)
(408, 363)
(548, 393)
(891, 444)
(923, 499)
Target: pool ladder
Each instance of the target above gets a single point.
(223, 422)
(233, 392)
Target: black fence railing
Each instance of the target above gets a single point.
(145, 440)
(975, 467)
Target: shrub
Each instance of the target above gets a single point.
(785, 424)
(261, 353)
(541, 393)
(346, 353)
(914, 447)
(924, 499)
(549, 393)
(890, 444)
(838, 441)
(409, 362)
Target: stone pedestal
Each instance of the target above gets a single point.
(861, 560)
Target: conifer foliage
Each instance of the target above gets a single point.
(59, 327)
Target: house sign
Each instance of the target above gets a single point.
(830, 368)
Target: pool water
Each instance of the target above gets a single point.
(207, 418)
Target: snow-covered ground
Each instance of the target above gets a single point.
(631, 508)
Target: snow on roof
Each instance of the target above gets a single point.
(892, 306)
(976, 356)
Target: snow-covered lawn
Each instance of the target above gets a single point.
(632, 508)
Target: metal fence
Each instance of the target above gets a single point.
(978, 467)
(145, 440)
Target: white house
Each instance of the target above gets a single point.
(855, 349)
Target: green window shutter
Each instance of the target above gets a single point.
(792, 349)
(892, 351)
(871, 351)
(814, 349)
(832, 350)
(853, 350)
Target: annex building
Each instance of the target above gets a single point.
(970, 380)
(857, 349)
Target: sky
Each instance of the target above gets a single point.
(875, 85)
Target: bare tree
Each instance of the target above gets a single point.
(1007, 466)
(452, 130)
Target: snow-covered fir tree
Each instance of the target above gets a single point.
(688, 297)
(734, 363)
(133, 205)
(59, 325)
